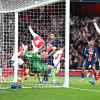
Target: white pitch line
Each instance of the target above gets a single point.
(85, 89)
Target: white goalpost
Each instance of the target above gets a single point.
(67, 43)
(45, 17)
(16, 47)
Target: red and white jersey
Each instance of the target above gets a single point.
(57, 57)
(23, 49)
(37, 43)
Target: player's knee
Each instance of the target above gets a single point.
(50, 67)
(93, 67)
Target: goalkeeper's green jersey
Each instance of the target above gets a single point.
(33, 61)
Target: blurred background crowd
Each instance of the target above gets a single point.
(82, 31)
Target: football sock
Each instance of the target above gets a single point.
(53, 74)
(83, 75)
(88, 70)
(22, 72)
(39, 77)
(45, 76)
(56, 74)
(97, 77)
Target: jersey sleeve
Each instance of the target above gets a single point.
(97, 28)
(85, 51)
(32, 32)
(96, 51)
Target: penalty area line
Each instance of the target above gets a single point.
(84, 89)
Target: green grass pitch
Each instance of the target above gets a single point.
(76, 91)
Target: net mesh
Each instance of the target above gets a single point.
(18, 4)
(44, 20)
(7, 42)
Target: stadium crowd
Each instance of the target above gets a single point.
(82, 31)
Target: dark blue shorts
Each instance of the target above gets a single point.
(87, 63)
(49, 61)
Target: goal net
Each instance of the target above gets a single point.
(32, 43)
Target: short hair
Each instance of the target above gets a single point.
(30, 47)
(24, 42)
(92, 41)
(53, 33)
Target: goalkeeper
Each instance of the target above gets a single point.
(33, 61)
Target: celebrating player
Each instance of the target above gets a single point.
(96, 78)
(37, 43)
(98, 74)
(33, 61)
(50, 50)
(90, 52)
(56, 61)
(23, 49)
(96, 26)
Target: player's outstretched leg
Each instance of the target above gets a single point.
(26, 77)
(35, 75)
(6, 75)
(92, 82)
(45, 79)
(21, 74)
(82, 74)
(53, 75)
(96, 79)
(88, 72)
(27, 71)
(98, 76)
(93, 67)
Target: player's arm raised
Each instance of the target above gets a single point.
(32, 32)
(96, 26)
(85, 52)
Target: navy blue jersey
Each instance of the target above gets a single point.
(50, 46)
(91, 52)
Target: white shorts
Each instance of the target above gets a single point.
(20, 62)
(56, 64)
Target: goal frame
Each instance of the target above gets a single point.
(67, 17)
